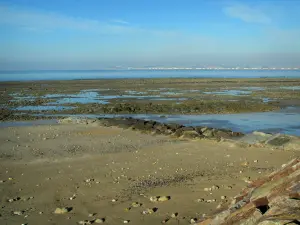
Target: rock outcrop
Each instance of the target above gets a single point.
(274, 199)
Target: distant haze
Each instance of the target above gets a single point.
(109, 34)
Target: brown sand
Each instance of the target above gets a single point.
(52, 163)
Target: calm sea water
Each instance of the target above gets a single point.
(114, 74)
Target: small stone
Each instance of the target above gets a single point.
(2, 181)
(127, 209)
(245, 163)
(165, 221)
(207, 189)
(223, 197)
(193, 220)
(114, 200)
(200, 200)
(18, 213)
(174, 215)
(92, 214)
(62, 210)
(136, 204)
(102, 220)
(85, 222)
(164, 198)
(149, 211)
(153, 199)
(40, 213)
(255, 161)
(126, 221)
(215, 187)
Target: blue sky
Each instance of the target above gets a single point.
(95, 34)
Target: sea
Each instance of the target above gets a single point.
(31, 75)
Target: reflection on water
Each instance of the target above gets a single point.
(229, 92)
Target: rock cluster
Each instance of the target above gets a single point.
(274, 199)
(154, 127)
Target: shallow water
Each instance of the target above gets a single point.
(283, 121)
(229, 92)
(43, 108)
(115, 74)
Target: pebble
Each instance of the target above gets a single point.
(136, 204)
(164, 198)
(255, 161)
(114, 200)
(102, 220)
(165, 221)
(223, 197)
(215, 187)
(207, 189)
(200, 200)
(149, 211)
(62, 210)
(174, 215)
(126, 221)
(85, 222)
(18, 213)
(193, 220)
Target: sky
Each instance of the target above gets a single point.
(100, 34)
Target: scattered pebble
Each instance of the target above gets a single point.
(18, 213)
(149, 211)
(174, 215)
(193, 220)
(102, 220)
(85, 222)
(62, 210)
(255, 161)
(215, 187)
(200, 200)
(136, 204)
(126, 221)
(114, 200)
(165, 221)
(223, 197)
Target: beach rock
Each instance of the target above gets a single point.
(267, 200)
(278, 140)
(255, 137)
(190, 134)
(208, 133)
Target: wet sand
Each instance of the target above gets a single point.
(92, 165)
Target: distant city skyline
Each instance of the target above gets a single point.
(92, 34)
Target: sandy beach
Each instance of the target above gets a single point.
(111, 173)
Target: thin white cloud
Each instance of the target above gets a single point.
(247, 14)
(120, 22)
(37, 20)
